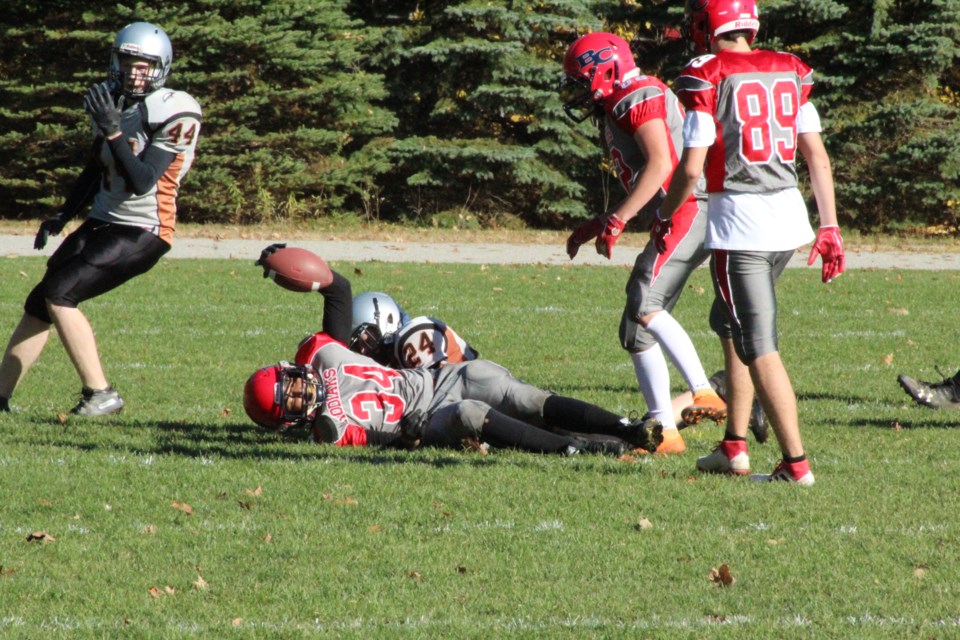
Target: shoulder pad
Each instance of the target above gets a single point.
(164, 105)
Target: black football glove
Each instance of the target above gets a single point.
(50, 226)
(99, 104)
(266, 253)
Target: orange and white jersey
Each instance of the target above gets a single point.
(169, 120)
(424, 343)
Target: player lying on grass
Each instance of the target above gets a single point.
(346, 398)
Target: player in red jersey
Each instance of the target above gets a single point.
(640, 119)
(347, 398)
(748, 113)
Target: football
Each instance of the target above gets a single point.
(298, 269)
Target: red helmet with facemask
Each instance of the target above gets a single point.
(594, 66)
(266, 394)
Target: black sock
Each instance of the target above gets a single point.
(501, 430)
(729, 436)
(799, 458)
(576, 415)
(4, 404)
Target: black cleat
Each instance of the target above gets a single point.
(594, 443)
(644, 433)
(937, 395)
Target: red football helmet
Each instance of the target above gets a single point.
(269, 392)
(706, 19)
(593, 67)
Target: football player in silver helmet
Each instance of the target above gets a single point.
(144, 140)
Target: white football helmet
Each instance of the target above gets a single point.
(376, 318)
(146, 41)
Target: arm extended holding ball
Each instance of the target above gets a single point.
(336, 290)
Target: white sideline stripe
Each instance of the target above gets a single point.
(862, 621)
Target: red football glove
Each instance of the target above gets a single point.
(659, 232)
(608, 237)
(584, 233)
(829, 245)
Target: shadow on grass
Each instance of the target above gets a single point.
(241, 441)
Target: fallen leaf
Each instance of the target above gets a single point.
(898, 311)
(154, 592)
(23, 274)
(327, 496)
(185, 508)
(374, 528)
(6, 572)
(268, 538)
(896, 426)
(40, 536)
(461, 569)
(773, 542)
(45, 503)
(237, 622)
(348, 501)
(722, 576)
(107, 507)
(254, 492)
(169, 590)
(918, 572)
(150, 530)
(225, 412)
(222, 496)
(246, 505)
(414, 575)
(62, 418)
(200, 583)
(888, 359)
(357, 271)
(643, 523)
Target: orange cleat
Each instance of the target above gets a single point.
(706, 404)
(672, 444)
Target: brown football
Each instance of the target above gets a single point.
(298, 269)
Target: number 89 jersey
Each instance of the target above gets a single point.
(755, 100)
(170, 121)
(424, 343)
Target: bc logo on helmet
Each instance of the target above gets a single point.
(590, 57)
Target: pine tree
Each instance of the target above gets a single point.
(474, 85)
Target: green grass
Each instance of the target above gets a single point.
(292, 539)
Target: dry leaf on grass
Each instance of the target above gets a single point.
(722, 576)
(200, 583)
(898, 311)
(40, 536)
(184, 507)
(225, 412)
(375, 528)
(461, 569)
(415, 575)
(888, 359)
(62, 418)
(149, 530)
(6, 572)
(254, 492)
(268, 538)
(237, 622)
(643, 523)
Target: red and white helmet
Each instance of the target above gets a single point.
(266, 393)
(706, 19)
(593, 67)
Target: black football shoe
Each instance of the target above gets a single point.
(936, 395)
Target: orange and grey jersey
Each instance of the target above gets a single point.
(424, 343)
(170, 121)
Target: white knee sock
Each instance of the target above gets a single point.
(654, 380)
(679, 347)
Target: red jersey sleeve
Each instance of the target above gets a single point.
(695, 88)
(309, 346)
(639, 107)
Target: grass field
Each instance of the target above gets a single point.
(177, 518)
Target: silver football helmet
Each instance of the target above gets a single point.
(146, 41)
(376, 318)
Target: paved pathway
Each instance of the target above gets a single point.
(474, 253)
